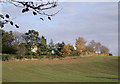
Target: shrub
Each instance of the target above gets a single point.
(29, 56)
(57, 56)
(40, 57)
(36, 56)
(51, 57)
(5, 57)
(19, 57)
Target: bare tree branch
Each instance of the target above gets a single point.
(36, 8)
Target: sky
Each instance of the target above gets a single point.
(91, 20)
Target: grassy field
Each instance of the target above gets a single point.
(85, 69)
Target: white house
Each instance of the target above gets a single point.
(97, 51)
(53, 52)
(34, 49)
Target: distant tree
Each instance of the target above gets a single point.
(51, 45)
(66, 50)
(18, 37)
(80, 45)
(89, 48)
(104, 49)
(7, 45)
(25, 38)
(32, 39)
(59, 46)
(14, 48)
(22, 50)
(97, 48)
(92, 45)
(7, 38)
(72, 48)
(43, 44)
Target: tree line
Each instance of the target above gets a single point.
(22, 46)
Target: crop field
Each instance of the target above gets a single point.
(80, 69)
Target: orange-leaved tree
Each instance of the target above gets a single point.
(80, 45)
(66, 50)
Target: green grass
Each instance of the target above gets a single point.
(85, 69)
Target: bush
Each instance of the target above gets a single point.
(5, 57)
(51, 57)
(40, 57)
(57, 56)
(19, 57)
(29, 56)
(36, 56)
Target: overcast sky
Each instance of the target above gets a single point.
(92, 20)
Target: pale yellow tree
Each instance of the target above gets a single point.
(80, 45)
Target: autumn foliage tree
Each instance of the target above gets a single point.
(66, 50)
(11, 45)
(96, 47)
(72, 48)
(80, 45)
(104, 49)
(91, 46)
